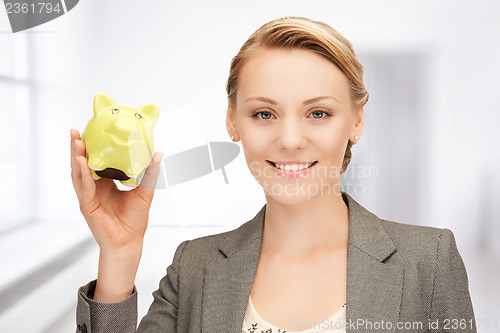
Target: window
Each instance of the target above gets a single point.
(16, 165)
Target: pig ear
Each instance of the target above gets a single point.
(101, 102)
(150, 110)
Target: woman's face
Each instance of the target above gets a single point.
(293, 106)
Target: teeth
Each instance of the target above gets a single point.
(293, 167)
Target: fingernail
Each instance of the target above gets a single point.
(158, 157)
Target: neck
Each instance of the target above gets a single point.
(321, 223)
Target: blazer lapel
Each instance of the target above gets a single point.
(374, 287)
(374, 283)
(228, 281)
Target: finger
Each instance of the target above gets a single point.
(76, 173)
(105, 186)
(87, 189)
(79, 148)
(76, 177)
(74, 134)
(151, 174)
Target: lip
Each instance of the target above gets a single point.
(293, 174)
(292, 162)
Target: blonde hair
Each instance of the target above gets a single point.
(299, 32)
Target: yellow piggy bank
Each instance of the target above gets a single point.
(119, 140)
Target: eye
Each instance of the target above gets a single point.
(319, 112)
(114, 111)
(138, 116)
(267, 113)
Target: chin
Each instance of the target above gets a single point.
(291, 195)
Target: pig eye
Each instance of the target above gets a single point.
(114, 111)
(138, 116)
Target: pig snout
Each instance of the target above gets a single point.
(123, 127)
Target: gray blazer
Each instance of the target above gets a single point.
(400, 278)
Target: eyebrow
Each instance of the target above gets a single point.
(306, 102)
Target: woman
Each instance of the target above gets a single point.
(312, 257)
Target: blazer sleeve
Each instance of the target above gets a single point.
(121, 317)
(451, 307)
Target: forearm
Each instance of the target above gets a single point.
(116, 274)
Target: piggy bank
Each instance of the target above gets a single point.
(119, 140)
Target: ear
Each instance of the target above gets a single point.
(101, 102)
(151, 111)
(231, 122)
(358, 124)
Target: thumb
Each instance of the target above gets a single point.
(152, 172)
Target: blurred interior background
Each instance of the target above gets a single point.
(428, 154)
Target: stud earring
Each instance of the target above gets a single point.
(232, 137)
(356, 137)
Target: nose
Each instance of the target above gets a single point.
(123, 127)
(291, 134)
(125, 124)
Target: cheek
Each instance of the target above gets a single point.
(253, 150)
(254, 158)
(334, 150)
(332, 143)
(253, 140)
(251, 145)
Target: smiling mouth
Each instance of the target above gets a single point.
(274, 164)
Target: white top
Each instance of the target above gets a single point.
(253, 323)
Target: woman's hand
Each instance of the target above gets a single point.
(117, 219)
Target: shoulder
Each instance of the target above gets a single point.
(421, 243)
(433, 267)
(411, 236)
